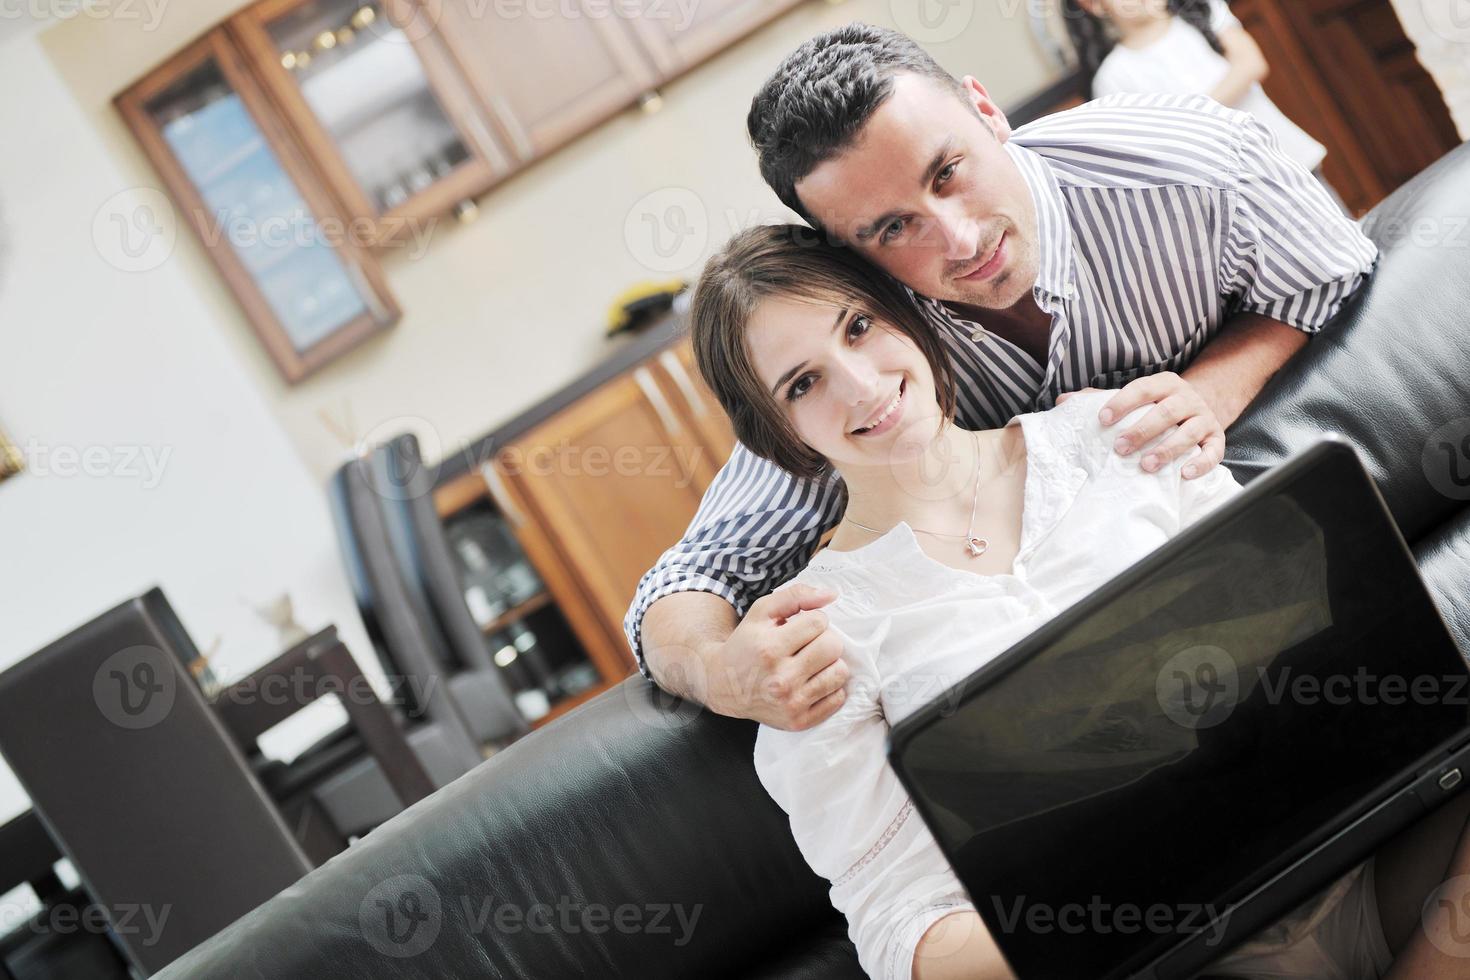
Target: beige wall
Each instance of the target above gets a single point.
(503, 311)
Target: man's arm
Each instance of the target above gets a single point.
(702, 624)
(1208, 397)
(1293, 259)
(1233, 368)
(780, 665)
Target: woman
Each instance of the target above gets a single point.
(952, 546)
(1181, 47)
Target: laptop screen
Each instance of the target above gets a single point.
(1169, 746)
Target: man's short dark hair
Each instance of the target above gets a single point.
(823, 94)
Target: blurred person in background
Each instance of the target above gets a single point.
(1181, 47)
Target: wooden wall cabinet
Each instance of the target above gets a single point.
(260, 207)
(373, 93)
(678, 35)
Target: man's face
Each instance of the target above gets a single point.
(928, 194)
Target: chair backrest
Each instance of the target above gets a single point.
(429, 570)
(140, 785)
(402, 631)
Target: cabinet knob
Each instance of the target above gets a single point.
(650, 102)
(466, 211)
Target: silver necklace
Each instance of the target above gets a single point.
(973, 545)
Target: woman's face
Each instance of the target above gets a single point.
(855, 390)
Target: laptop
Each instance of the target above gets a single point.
(1203, 743)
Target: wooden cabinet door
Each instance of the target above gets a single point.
(612, 480)
(683, 385)
(680, 34)
(263, 214)
(544, 76)
(378, 102)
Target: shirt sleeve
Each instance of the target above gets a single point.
(1292, 255)
(1221, 19)
(756, 527)
(857, 827)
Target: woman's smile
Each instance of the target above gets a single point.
(887, 416)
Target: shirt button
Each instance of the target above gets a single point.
(978, 334)
(1071, 291)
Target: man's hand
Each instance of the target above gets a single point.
(1177, 406)
(782, 666)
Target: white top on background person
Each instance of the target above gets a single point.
(1181, 62)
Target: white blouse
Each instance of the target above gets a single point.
(913, 627)
(1181, 62)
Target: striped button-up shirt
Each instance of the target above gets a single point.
(1159, 217)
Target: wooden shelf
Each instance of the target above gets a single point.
(534, 604)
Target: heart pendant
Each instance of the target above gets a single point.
(977, 546)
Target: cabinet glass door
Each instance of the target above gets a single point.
(385, 110)
(257, 208)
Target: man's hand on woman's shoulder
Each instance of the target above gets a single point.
(1177, 406)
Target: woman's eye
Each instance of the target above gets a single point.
(859, 326)
(945, 174)
(799, 387)
(893, 229)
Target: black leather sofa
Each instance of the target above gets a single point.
(573, 852)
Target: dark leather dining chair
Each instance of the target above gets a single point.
(141, 786)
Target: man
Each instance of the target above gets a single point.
(1159, 244)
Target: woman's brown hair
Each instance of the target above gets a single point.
(792, 261)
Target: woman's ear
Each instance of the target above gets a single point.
(990, 113)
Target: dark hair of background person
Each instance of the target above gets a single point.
(793, 262)
(1092, 39)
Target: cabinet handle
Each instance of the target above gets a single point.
(656, 398)
(501, 495)
(513, 127)
(684, 383)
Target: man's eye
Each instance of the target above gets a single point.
(800, 387)
(945, 174)
(892, 230)
(859, 326)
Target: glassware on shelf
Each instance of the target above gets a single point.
(365, 82)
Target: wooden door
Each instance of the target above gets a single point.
(543, 75)
(1345, 72)
(613, 480)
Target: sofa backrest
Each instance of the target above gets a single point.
(630, 837)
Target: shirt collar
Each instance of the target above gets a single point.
(1056, 271)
